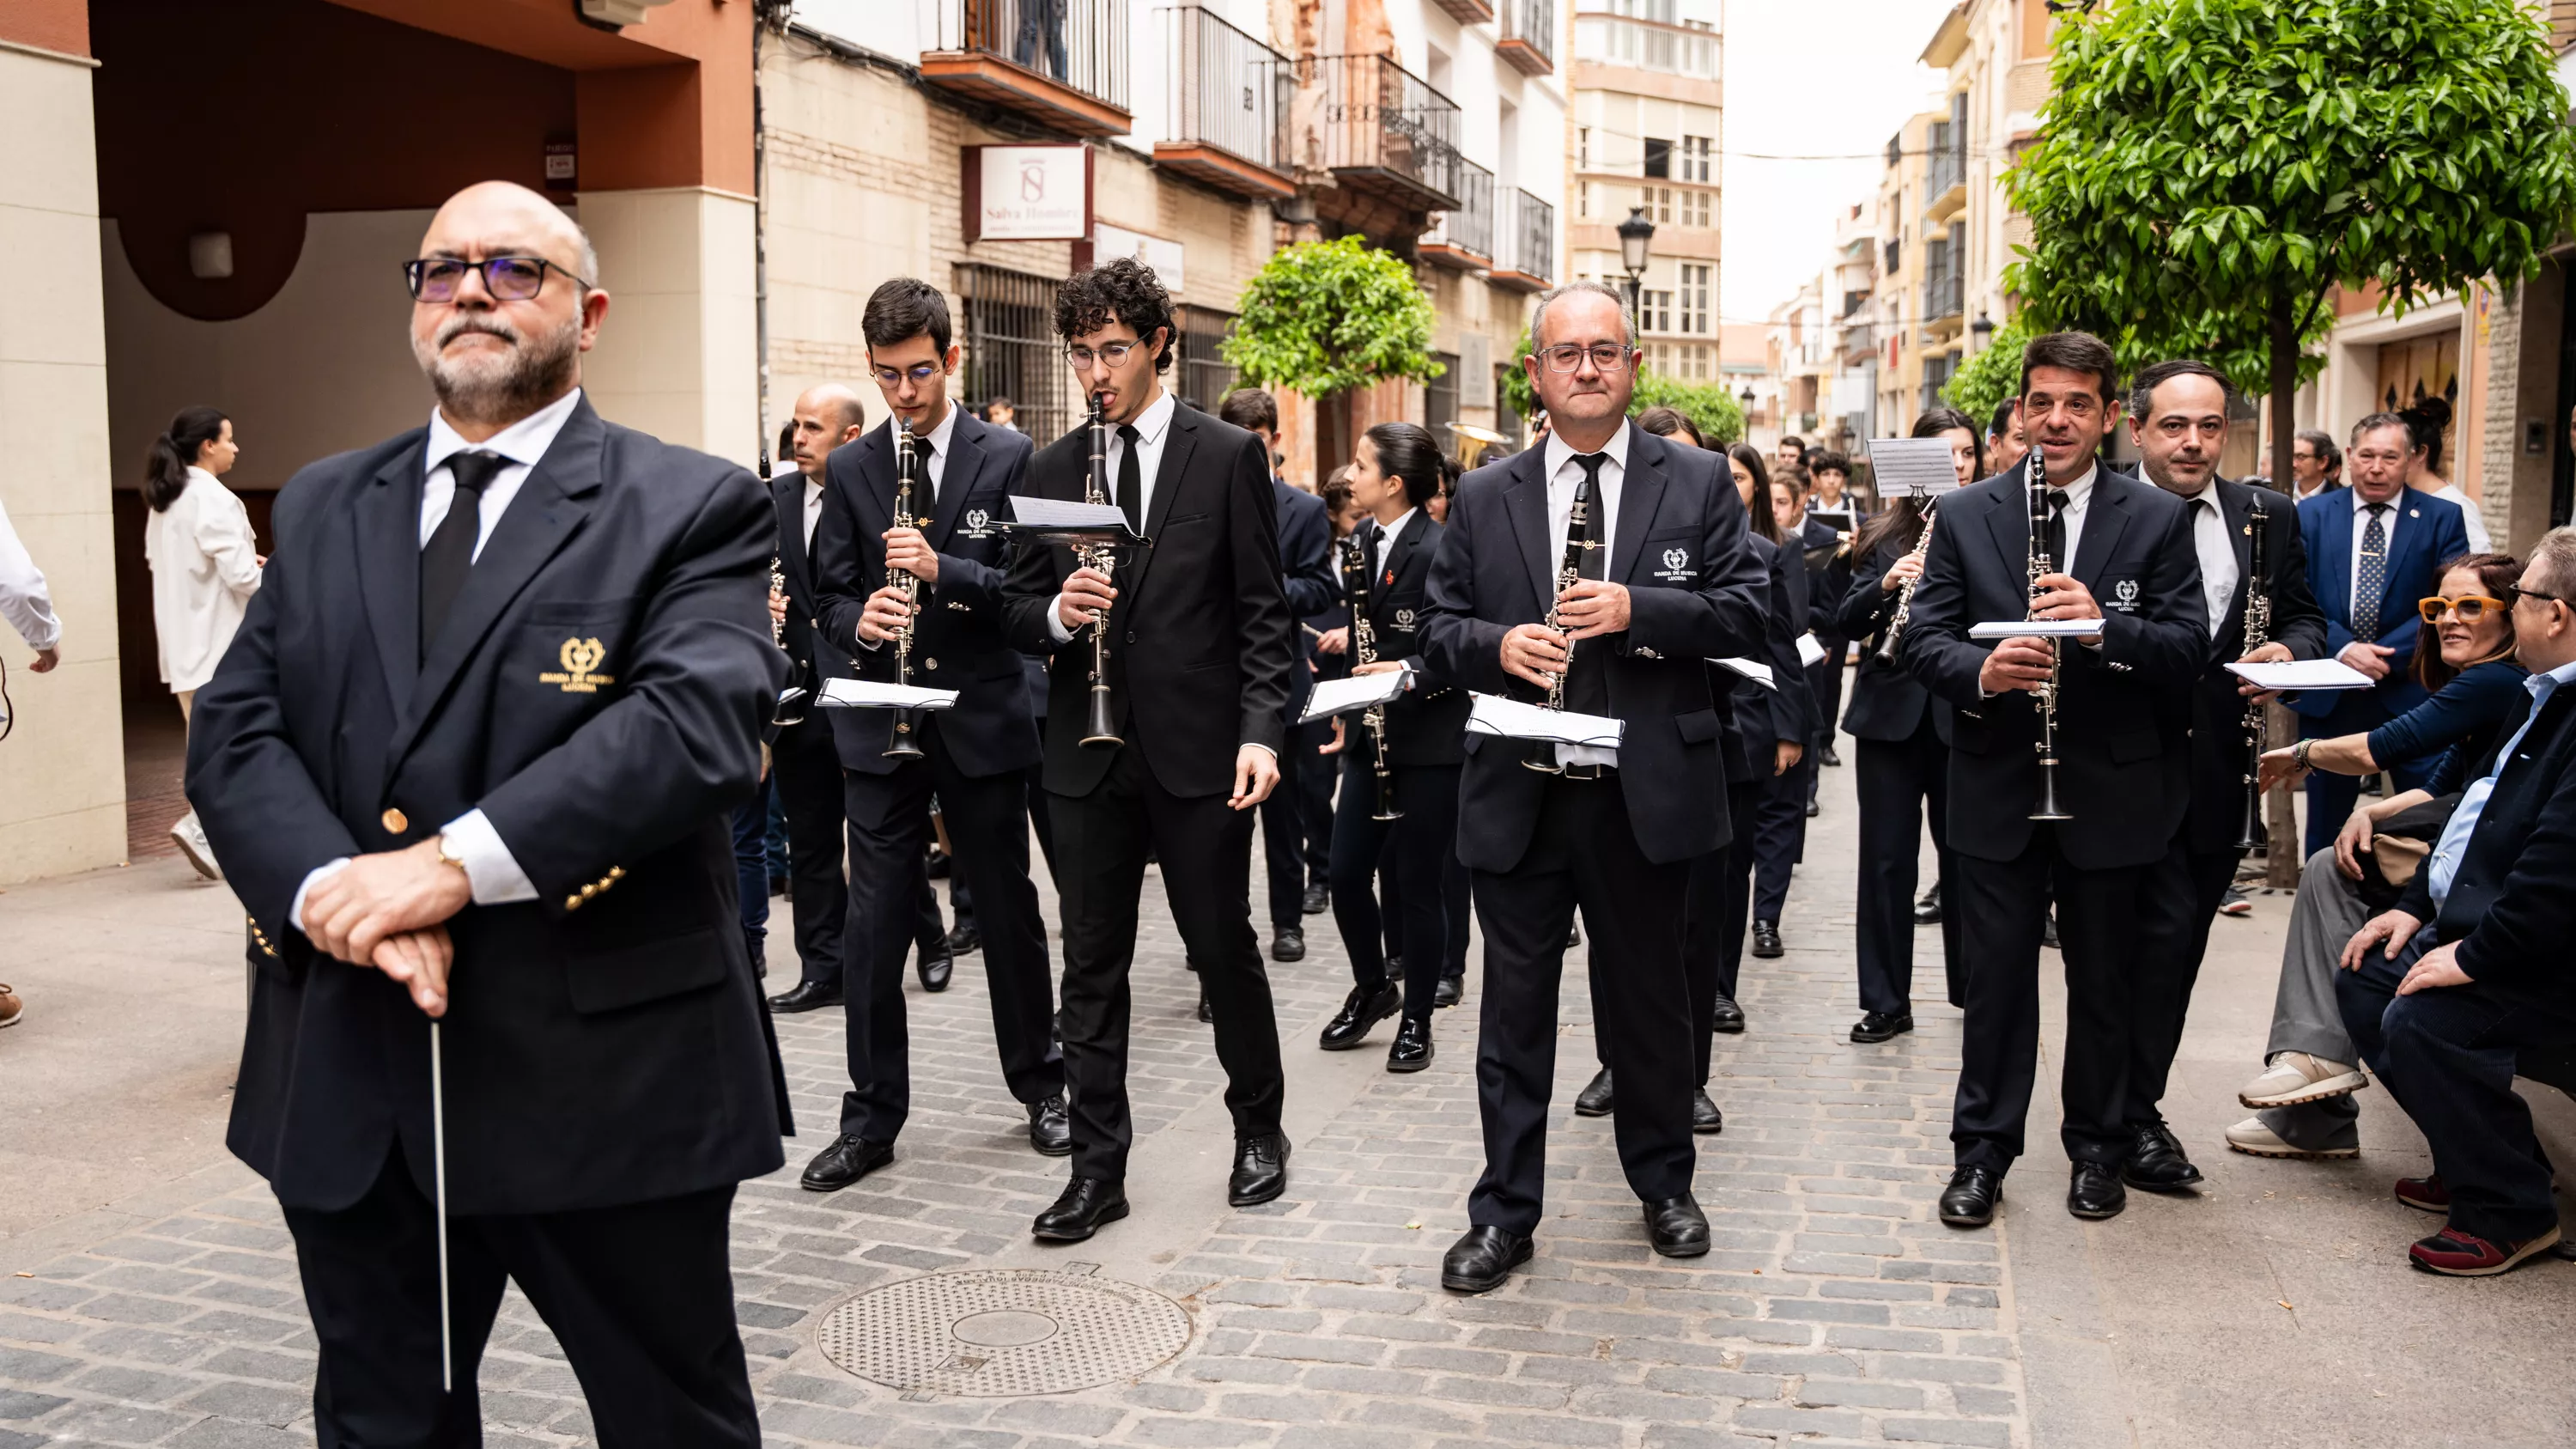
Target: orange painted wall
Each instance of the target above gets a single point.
(57, 25)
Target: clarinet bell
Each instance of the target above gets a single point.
(791, 708)
(1100, 732)
(2048, 808)
(904, 741)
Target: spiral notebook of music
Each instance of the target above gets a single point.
(1359, 691)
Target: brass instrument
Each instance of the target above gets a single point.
(1472, 442)
(2258, 632)
(2040, 566)
(1100, 730)
(1886, 653)
(905, 740)
(1568, 574)
(1355, 583)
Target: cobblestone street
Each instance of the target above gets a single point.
(1835, 1308)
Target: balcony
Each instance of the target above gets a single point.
(1942, 294)
(1463, 240)
(1466, 12)
(1060, 63)
(1527, 40)
(1644, 45)
(1229, 107)
(1527, 259)
(1384, 132)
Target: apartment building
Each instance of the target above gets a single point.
(1647, 110)
(1914, 308)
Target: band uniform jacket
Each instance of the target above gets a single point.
(1759, 718)
(2217, 711)
(1427, 724)
(957, 638)
(2429, 530)
(1695, 593)
(1887, 702)
(1200, 632)
(1307, 576)
(2123, 771)
(1826, 581)
(598, 691)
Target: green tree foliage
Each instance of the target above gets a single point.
(1992, 375)
(1711, 409)
(2208, 170)
(1325, 317)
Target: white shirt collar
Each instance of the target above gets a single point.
(2359, 503)
(1559, 452)
(937, 438)
(1157, 416)
(2081, 487)
(523, 442)
(1387, 533)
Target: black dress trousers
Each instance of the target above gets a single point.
(640, 1297)
(1718, 939)
(1283, 837)
(1414, 851)
(1894, 779)
(1780, 834)
(807, 772)
(2190, 887)
(1583, 854)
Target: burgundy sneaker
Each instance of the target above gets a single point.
(2456, 1254)
(2424, 1194)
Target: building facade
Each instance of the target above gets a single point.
(1648, 105)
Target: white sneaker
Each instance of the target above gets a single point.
(191, 840)
(2252, 1137)
(2295, 1077)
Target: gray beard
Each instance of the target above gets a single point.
(538, 370)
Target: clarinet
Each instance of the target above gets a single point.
(789, 710)
(2250, 834)
(1355, 582)
(2040, 565)
(1568, 574)
(1886, 652)
(905, 742)
(1100, 730)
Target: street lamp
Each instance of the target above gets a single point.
(1636, 235)
(1747, 396)
(1983, 329)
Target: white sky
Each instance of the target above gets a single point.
(1809, 77)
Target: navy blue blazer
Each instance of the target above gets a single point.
(2509, 906)
(598, 692)
(1306, 575)
(957, 638)
(1695, 593)
(1758, 718)
(2429, 530)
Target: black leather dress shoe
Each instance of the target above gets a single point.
(1828, 758)
(1050, 1131)
(1927, 908)
(1206, 1012)
(1411, 1051)
(1814, 809)
(805, 996)
(2094, 1191)
(1260, 1170)
(1483, 1260)
(1726, 1016)
(1969, 1201)
(1450, 991)
(1706, 1120)
(1574, 935)
(1364, 1008)
(1085, 1205)
(965, 940)
(1881, 1025)
(1677, 1227)
(1766, 939)
(1288, 943)
(2156, 1162)
(2048, 932)
(1319, 899)
(935, 968)
(844, 1162)
(1595, 1099)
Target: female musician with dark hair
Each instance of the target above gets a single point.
(205, 566)
(1400, 762)
(1903, 752)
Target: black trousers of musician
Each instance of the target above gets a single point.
(889, 835)
(1825, 680)
(1315, 776)
(1780, 834)
(2177, 937)
(1283, 835)
(2101, 918)
(1205, 851)
(807, 771)
(1583, 854)
(1414, 849)
(1714, 942)
(1894, 779)
(640, 1297)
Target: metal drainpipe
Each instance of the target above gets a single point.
(763, 13)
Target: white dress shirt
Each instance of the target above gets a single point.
(24, 600)
(1563, 474)
(2079, 502)
(1386, 536)
(931, 449)
(2217, 554)
(2352, 576)
(205, 567)
(1153, 426)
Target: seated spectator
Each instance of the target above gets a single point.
(2471, 965)
(2303, 1096)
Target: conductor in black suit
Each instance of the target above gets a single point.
(2123, 770)
(804, 765)
(1666, 584)
(1199, 644)
(972, 756)
(471, 760)
(2178, 419)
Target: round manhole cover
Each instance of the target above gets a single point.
(1003, 1332)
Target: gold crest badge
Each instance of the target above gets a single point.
(581, 659)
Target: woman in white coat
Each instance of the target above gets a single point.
(205, 567)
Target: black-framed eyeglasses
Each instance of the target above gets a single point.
(1566, 357)
(2520, 593)
(1113, 353)
(508, 279)
(918, 373)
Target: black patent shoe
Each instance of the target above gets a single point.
(2157, 1164)
(1766, 939)
(1411, 1051)
(936, 967)
(1050, 1130)
(805, 996)
(1881, 1025)
(1969, 1201)
(2094, 1192)
(1364, 1008)
(1595, 1099)
(1677, 1227)
(1083, 1208)
(1260, 1170)
(1927, 908)
(844, 1162)
(1483, 1260)
(1450, 991)
(1726, 1016)
(1706, 1120)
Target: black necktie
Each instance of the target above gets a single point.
(1587, 684)
(1131, 485)
(2057, 532)
(449, 554)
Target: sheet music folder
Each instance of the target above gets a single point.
(1354, 692)
(1919, 466)
(1492, 714)
(1057, 521)
(869, 694)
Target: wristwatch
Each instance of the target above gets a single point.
(447, 853)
